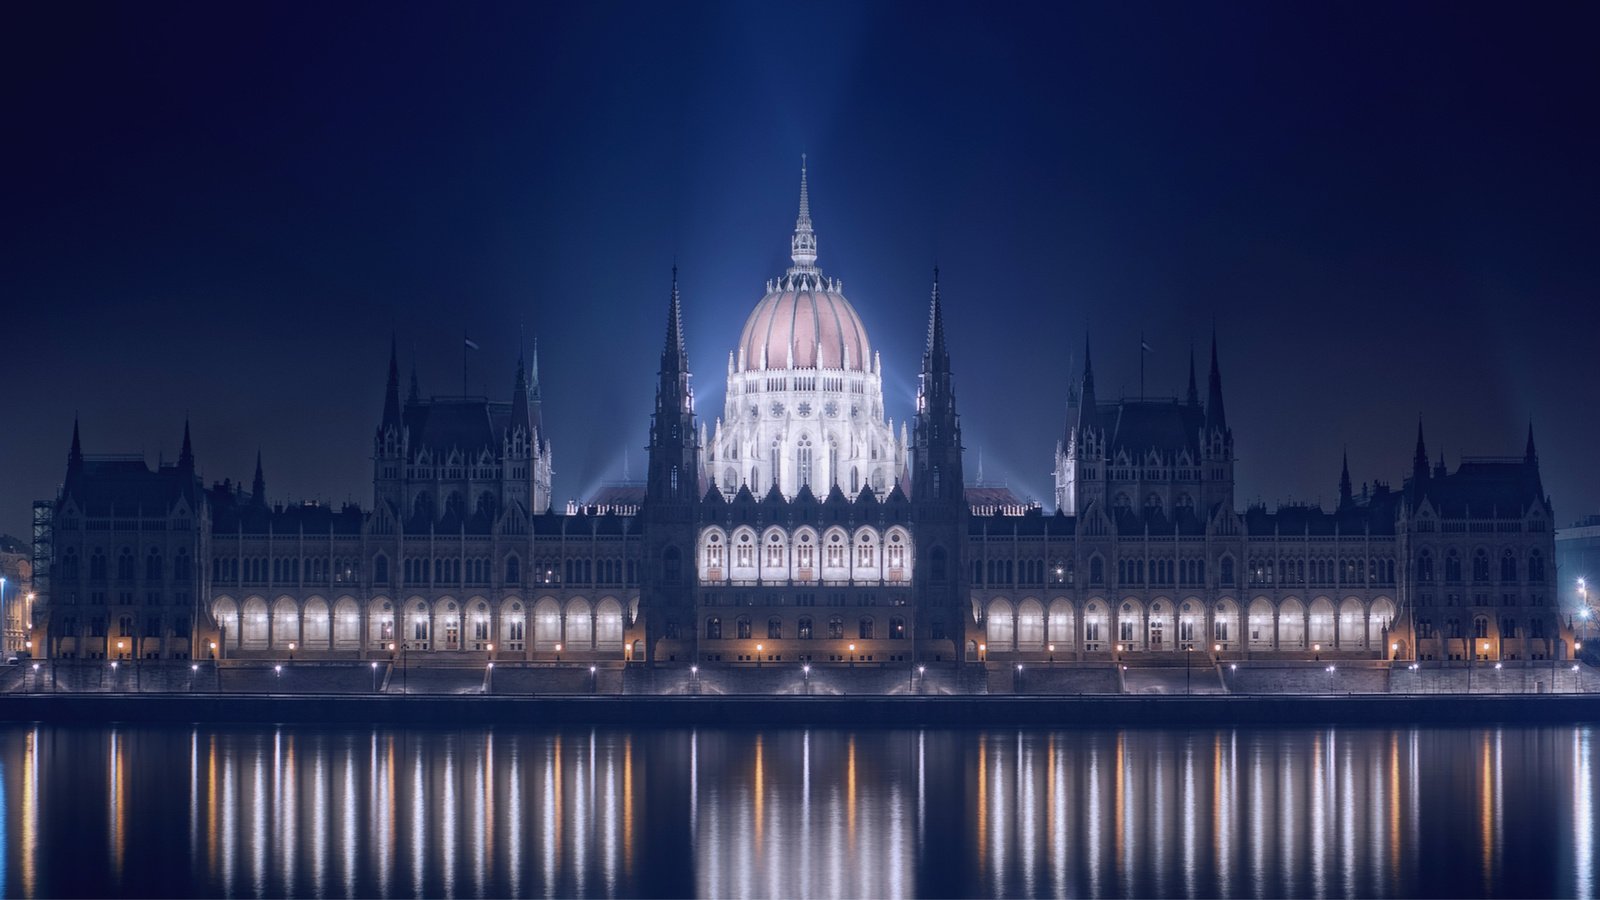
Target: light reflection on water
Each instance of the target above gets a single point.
(300, 811)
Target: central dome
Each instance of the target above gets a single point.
(804, 323)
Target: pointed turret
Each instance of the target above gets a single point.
(186, 455)
(1088, 407)
(674, 448)
(1530, 459)
(1439, 471)
(519, 399)
(1216, 416)
(1346, 495)
(1419, 460)
(75, 454)
(415, 394)
(391, 393)
(258, 486)
(535, 395)
(803, 246)
(1194, 388)
(937, 430)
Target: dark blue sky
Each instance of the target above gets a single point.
(1385, 211)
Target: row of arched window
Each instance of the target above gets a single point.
(805, 555)
(69, 566)
(1348, 570)
(865, 628)
(1509, 566)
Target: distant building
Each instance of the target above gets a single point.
(16, 596)
(1578, 564)
(806, 528)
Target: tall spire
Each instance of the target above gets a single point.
(673, 357)
(415, 396)
(936, 353)
(1088, 410)
(803, 246)
(186, 455)
(75, 454)
(391, 392)
(1194, 390)
(1216, 416)
(1346, 496)
(258, 487)
(519, 396)
(1530, 459)
(1419, 459)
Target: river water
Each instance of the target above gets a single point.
(357, 812)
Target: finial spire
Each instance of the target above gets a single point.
(75, 455)
(936, 355)
(803, 246)
(186, 455)
(672, 354)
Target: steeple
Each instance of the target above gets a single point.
(1194, 390)
(415, 395)
(1346, 496)
(936, 354)
(673, 481)
(519, 398)
(937, 429)
(1216, 416)
(673, 357)
(75, 454)
(535, 395)
(258, 487)
(803, 246)
(1439, 471)
(1419, 459)
(391, 393)
(1530, 459)
(1088, 408)
(186, 455)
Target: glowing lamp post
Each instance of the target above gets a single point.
(759, 648)
(852, 656)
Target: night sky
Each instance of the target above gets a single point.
(1385, 210)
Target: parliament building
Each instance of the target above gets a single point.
(800, 527)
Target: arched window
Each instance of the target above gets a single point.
(835, 628)
(1480, 566)
(513, 570)
(125, 565)
(1536, 567)
(804, 630)
(774, 628)
(744, 627)
(152, 565)
(1227, 571)
(1425, 567)
(380, 569)
(1508, 567)
(803, 460)
(1097, 571)
(866, 628)
(97, 565)
(1452, 567)
(897, 629)
(713, 629)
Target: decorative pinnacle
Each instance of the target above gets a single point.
(803, 246)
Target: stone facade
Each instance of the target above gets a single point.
(809, 535)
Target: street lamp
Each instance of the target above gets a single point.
(374, 677)
(852, 656)
(759, 648)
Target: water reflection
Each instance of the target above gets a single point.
(795, 813)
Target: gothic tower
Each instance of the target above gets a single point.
(672, 494)
(938, 497)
